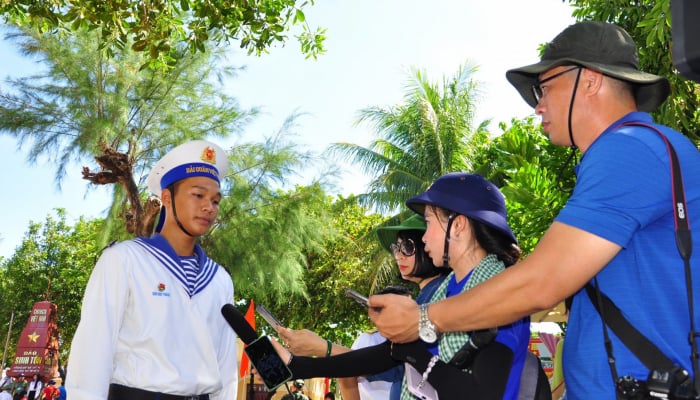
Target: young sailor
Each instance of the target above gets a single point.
(151, 325)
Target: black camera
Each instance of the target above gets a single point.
(672, 385)
(631, 388)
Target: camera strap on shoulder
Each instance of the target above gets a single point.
(637, 343)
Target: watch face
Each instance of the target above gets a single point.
(427, 335)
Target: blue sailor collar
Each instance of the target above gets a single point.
(159, 247)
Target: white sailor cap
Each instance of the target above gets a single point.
(195, 158)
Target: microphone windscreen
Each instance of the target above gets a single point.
(237, 321)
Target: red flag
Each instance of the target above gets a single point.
(250, 317)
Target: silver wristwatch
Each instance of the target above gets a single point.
(426, 329)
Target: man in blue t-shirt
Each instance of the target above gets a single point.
(615, 232)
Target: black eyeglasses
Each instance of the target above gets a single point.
(406, 247)
(537, 87)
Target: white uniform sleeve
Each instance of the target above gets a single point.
(91, 357)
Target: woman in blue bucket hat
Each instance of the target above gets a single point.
(466, 231)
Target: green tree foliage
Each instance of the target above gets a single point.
(649, 23)
(532, 173)
(263, 240)
(346, 262)
(263, 233)
(159, 27)
(429, 135)
(84, 105)
(52, 263)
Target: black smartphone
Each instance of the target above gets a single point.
(270, 366)
(360, 299)
(267, 315)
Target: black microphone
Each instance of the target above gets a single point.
(477, 340)
(238, 323)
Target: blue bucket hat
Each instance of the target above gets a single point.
(467, 194)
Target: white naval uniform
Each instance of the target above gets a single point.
(140, 328)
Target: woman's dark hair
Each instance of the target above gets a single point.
(423, 267)
(496, 242)
(491, 239)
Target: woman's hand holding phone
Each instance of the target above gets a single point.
(303, 342)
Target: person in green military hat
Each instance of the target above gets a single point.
(405, 242)
(19, 387)
(6, 392)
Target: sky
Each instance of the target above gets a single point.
(371, 47)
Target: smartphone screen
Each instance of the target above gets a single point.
(357, 297)
(270, 366)
(267, 315)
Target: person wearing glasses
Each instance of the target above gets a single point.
(404, 242)
(616, 233)
(467, 231)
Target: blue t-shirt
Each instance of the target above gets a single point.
(623, 194)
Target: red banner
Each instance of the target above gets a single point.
(37, 349)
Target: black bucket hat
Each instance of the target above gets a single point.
(602, 47)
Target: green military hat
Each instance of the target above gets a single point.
(387, 234)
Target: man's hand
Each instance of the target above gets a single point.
(395, 316)
(303, 342)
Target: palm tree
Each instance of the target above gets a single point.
(429, 135)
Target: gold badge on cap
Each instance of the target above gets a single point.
(209, 155)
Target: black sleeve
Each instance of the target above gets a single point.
(365, 361)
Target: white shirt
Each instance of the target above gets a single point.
(140, 328)
(371, 390)
(35, 386)
(5, 395)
